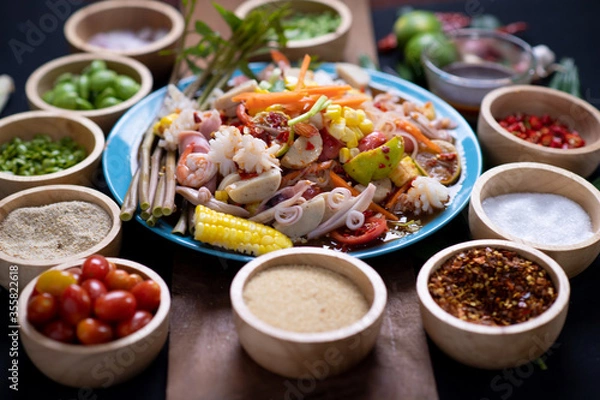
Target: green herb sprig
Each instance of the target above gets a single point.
(250, 37)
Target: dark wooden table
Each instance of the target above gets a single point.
(222, 370)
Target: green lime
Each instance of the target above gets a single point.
(441, 50)
(413, 23)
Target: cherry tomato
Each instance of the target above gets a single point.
(76, 272)
(371, 230)
(117, 280)
(94, 331)
(372, 141)
(140, 319)
(117, 305)
(75, 304)
(54, 282)
(95, 267)
(147, 294)
(94, 288)
(42, 308)
(134, 279)
(59, 330)
(111, 266)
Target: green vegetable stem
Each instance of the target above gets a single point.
(566, 78)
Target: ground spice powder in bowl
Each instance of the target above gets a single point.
(304, 298)
(53, 231)
(492, 287)
(304, 306)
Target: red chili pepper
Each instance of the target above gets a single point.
(543, 130)
(387, 43)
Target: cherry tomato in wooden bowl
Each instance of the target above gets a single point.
(70, 325)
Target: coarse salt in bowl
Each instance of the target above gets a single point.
(290, 352)
(573, 248)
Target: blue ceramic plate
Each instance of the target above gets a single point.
(120, 161)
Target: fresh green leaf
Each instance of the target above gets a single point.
(203, 29)
(232, 20)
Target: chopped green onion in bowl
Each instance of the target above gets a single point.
(39, 156)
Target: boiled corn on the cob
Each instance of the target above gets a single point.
(236, 234)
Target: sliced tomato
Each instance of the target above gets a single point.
(371, 230)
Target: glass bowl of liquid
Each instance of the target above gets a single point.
(480, 61)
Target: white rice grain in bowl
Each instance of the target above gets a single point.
(347, 298)
(17, 267)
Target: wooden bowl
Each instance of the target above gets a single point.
(493, 347)
(500, 146)
(328, 47)
(133, 15)
(540, 178)
(102, 365)
(44, 195)
(56, 125)
(42, 79)
(294, 354)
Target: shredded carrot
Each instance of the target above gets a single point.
(279, 58)
(259, 101)
(340, 182)
(351, 101)
(302, 73)
(394, 198)
(416, 132)
(327, 90)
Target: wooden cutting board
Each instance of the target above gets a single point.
(207, 362)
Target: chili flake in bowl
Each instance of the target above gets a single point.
(492, 287)
(492, 303)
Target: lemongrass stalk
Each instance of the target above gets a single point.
(156, 163)
(182, 223)
(159, 197)
(152, 220)
(168, 205)
(130, 202)
(146, 148)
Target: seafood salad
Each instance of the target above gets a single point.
(295, 156)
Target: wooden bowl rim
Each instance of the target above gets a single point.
(146, 82)
(83, 350)
(80, 16)
(561, 283)
(375, 311)
(90, 126)
(100, 197)
(494, 172)
(488, 118)
(341, 8)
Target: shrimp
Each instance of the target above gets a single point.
(195, 169)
